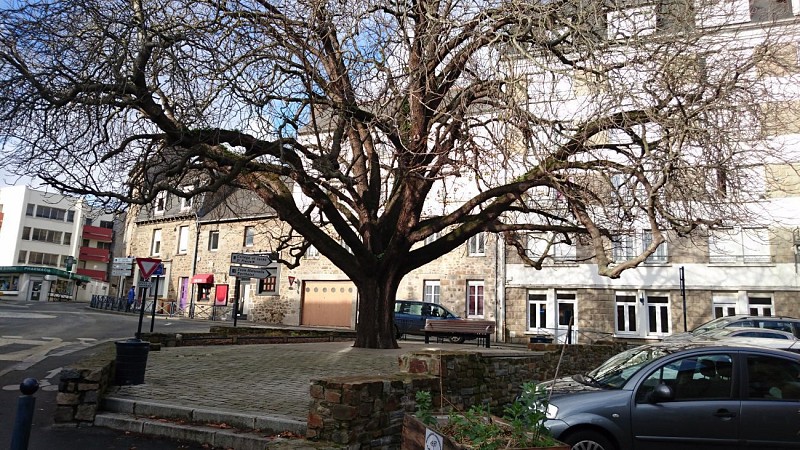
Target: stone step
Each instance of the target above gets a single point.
(268, 424)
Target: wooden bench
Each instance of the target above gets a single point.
(466, 328)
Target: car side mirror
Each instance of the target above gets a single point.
(661, 393)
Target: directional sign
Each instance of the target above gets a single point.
(128, 261)
(253, 259)
(147, 266)
(249, 272)
(119, 266)
(121, 272)
(144, 284)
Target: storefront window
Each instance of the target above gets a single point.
(9, 283)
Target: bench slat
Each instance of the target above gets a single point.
(446, 327)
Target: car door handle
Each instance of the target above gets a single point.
(724, 413)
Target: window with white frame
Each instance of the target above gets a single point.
(741, 245)
(312, 252)
(537, 310)
(475, 299)
(155, 244)
(660, 255)
(759, 304)
(558, 250)
(658, 321)
(626, 318)
(623, 247)
(187, 203)
(249, 236)
(183, 240)
(160, 203)
(477, 245)
(213, 240)
(431, 290)
(723, 305)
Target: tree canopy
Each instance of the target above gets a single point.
(370, 126)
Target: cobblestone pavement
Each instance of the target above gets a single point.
(257, 379)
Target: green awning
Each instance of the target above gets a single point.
(45, 271)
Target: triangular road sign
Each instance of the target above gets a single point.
(147, 266)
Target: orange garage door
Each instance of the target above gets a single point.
(329, 303)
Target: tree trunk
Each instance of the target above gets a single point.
(375, 322)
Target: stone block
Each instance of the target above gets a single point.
(86, 412)
(64, 398)
(343, 412)
(333, 396)
(88, 387)
(64, 414)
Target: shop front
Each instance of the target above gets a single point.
(39, 284)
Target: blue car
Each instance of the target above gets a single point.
(410, 317)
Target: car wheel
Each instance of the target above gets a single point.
(457, 339)
(588, 440)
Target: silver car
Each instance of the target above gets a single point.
(687, 395)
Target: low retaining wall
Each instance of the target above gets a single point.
(220, 335)
(82, 386)
(367, 412)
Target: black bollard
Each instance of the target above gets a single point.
(25, 407)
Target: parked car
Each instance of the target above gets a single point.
(780, 323)
(410, 317)
(691, 395)
(755, 333)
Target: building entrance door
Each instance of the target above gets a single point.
(36, 291)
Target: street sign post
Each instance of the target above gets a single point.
(147, 266)
(249, 272)
(251, 259)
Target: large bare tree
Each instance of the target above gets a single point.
(370, 126)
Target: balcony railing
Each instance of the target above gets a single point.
(96, 274)
(98, 233)
(94, 254)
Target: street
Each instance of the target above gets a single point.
(37, 339)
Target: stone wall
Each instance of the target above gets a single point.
(82, 386)
(367, 412)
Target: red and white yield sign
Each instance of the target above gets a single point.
(147, 266)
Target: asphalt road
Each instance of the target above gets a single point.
(37, 340)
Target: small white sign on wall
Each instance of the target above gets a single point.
(433, 440)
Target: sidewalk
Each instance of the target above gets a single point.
(263, 387)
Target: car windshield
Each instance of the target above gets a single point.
(616, 371)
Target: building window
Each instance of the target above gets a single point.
(30, 209)
(47, 212)
(108, 224)
(477, 245)
(161, 202)
(431, 290)
(626, 312)
(70, 216)
(183, 239)
(44, 259)
(268, 285)
(622, 247)
(566, 308)
(723, 305)
(475, 299)
(660, 255)
(759, 305)
(249, 236)
(657, 314)
(67, 238)
(537, 311)
(769, 10)
(104, 245)
(551, 246)
(23, 257)
(213, 240)
(26, 233)
(745, 245)
(187, 203)
(49, 236)
(155, 246)
(312, 252)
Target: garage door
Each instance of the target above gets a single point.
(329, 303)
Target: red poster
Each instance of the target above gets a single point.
(221, 295)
